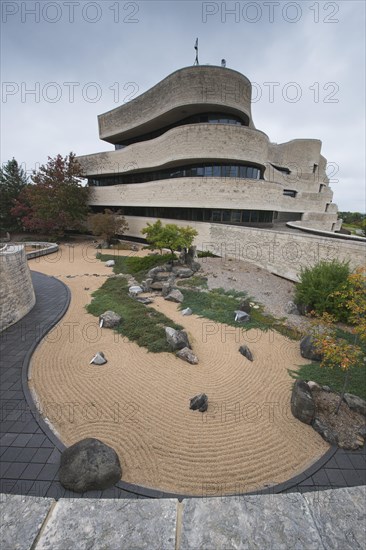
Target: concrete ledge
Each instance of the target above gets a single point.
(323, 233)
(331, 520)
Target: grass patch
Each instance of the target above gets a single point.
(134, 265)
(192, 282)
(334, 378)
(219, 305)
(206, 254)
(141, 324)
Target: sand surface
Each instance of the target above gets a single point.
(139, 401)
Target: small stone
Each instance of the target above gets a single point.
(145, 301)
(175, 296)
(199, 402)
(241, 316)
(109, 319)
(86, 288)
(291, 308)
(110, 263)
(360, 441)
(99, 359)
(166, 288)
(134, 290)
(313, 385)
(177, 339)
(183, 272)
(187, 355)
(157, 285)
(245, 306)
(244, 350)
(326, 388)
(187, 311)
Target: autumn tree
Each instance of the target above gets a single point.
(107, 224)
(56, 200)
(13, 180)
(169, 236)
(337, 352)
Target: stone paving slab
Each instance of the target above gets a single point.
(265, 522)
(340, 517)
(21, 518)
(110, 525)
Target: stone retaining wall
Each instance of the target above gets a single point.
(16, 291)
(280, 252)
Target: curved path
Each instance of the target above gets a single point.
(30, 452)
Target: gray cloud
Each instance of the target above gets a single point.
(321, 52)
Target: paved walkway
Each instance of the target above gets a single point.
(326, 520)
(30, 452)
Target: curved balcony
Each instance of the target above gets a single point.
(186, 92)
(184, 144)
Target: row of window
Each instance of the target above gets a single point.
(197, 214)
(204, 118)
(219, 170)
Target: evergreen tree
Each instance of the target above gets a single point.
(12, 181)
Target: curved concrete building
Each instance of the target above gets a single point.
(188, 150)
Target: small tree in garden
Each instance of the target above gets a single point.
(107, 225)
(56, 201)
(336, 352)
(169, 236)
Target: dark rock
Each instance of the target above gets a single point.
(175, 296)
(245, 306)
(99, 359)
(177, 339)
(244, 350)
(89, 465)
(302, 309)
(187, 355)
(302, 403)
(145, 301)
(355, 403)
(157, 285)
(110, 319)
(241, 316)
(362, 431)
(325, 432)
(307, 349)
(199, 402)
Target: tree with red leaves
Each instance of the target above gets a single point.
(56, 201)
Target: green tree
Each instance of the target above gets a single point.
(56, 201)
(169, 236)
(107, 224)
(12, 181)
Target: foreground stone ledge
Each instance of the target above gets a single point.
(21, 519)
(110, 524)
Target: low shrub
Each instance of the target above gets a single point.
(318, 286)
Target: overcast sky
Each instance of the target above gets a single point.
(65, 62)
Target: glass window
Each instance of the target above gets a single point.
(236, 216)
(226, 215)
(208, 171)
(216, 215)
(245, 216)
(216, 171)
(254, 216)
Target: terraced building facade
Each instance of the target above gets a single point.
(187, 151)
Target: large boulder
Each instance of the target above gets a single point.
(302, 403)
(199, 402)
(325, 431)
(308, 350)
(244, 350)
(89, 465)
(355, 403)
(109, 319)
(177, 339)
(187, 355)
(175, 296)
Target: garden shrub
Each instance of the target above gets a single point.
(316, 290)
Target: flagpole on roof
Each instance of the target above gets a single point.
(196, 62)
